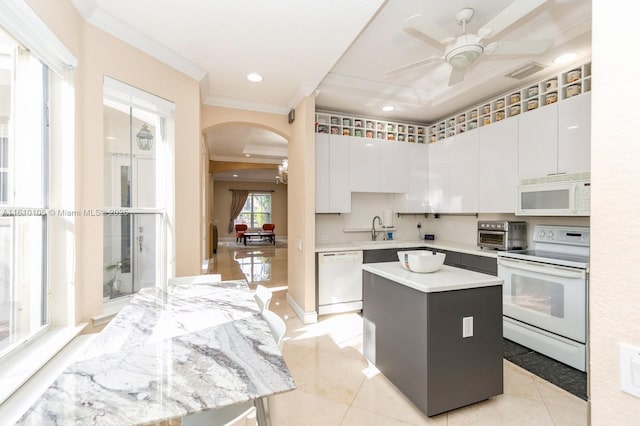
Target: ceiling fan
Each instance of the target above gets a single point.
(463, 50)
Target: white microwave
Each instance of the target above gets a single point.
(556, 195)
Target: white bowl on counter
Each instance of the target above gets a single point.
(421, 261)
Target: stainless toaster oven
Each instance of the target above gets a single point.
(502, 235)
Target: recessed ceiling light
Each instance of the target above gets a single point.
(235, 175)
(247, 155)
(563, 59)
(255, 77)
(111, 138)
(387, 108)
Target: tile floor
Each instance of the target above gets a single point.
(337, 385)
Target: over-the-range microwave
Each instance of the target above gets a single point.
(555, 195)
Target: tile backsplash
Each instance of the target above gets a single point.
(356, 226)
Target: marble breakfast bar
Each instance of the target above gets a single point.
(436, 336)
(168, 354)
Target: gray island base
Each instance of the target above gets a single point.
(413, 333)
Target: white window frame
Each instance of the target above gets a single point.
(24, 25)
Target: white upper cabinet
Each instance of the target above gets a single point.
(538, 142)
(463, 173)
(339, 194)
(417, 196)
(498, 167)
(394, 173)
(574, 134)
(322, 173)
(364, 165)
(378, 165)
(438, 173)
(332, 174)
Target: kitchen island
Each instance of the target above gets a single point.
(436, 336)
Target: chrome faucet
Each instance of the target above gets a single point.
(374, 234)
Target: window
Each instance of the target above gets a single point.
(24, 87)
(135, 124)
(256, 210)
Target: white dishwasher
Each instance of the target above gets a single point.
(339, 282)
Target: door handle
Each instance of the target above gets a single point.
(557, 271)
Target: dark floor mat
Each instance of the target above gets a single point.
(565, 377)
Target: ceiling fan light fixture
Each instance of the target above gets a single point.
(464, 55)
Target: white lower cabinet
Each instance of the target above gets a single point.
(332, 174)
(453, 174)
(498, 166)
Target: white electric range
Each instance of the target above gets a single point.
(545, 293)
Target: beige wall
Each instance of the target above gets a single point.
(302, 166)
(98, 55)
(615, 203)
(222, 205)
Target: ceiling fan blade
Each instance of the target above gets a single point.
(523, 47)
(414, 64)
(512, 13)
(426, 27)
(457, 75)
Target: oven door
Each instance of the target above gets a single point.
(549, 297)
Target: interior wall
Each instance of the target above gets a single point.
(222, 205)
(301, 252)
(220, 116)
(98, 55)
(615, 201)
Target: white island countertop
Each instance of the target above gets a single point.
(447, 278)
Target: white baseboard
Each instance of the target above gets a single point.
(305, 317)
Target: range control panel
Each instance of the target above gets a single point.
(573, 235)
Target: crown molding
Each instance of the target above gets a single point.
(225, 102)
(115, 27)
(19, 20)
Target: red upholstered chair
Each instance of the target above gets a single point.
(240, 228)
(269, 227)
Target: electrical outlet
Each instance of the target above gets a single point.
(630, 369)
(467, 327)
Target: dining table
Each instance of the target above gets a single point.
(167, 354)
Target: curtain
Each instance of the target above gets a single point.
(238, 198)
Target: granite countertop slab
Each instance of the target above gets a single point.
(447, 278)
(168, 354)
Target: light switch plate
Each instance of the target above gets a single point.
(630, 369)
(467, 327)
